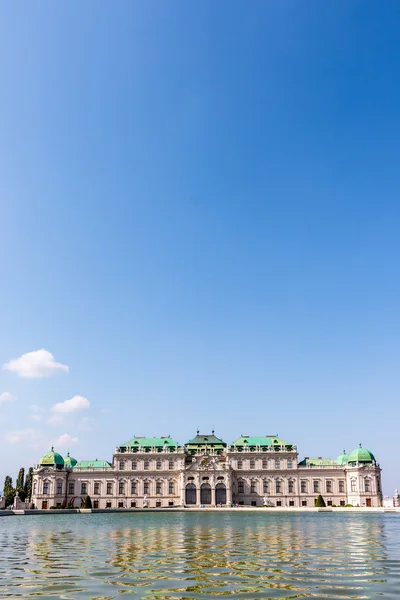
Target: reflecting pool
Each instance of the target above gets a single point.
(201, 555)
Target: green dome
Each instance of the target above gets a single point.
(70, 462)
(360, 454)
(52, 459)
(342, 458)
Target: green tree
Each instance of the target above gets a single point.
(88, 502)
(20, 479)
(320, 502)
(28, 484)
(8, 491)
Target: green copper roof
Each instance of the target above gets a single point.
(342, 458)
(206, 440)
(263, 441)
(360, 454)
(51, 458)
(317, 462)
(70, 462)
(93, 464)
(148, 442)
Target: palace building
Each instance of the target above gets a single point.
(206, 471)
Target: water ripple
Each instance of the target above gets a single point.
(194, 555)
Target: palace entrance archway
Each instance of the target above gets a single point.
(205, 493)
(190, 494)
(220, 493)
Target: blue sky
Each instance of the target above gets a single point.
(200, 219)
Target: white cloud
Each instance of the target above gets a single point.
(22, 435)
(65, 441)
(39, 363)
(5, 397)
(75, 404)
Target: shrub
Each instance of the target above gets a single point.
(88, 502)
(320, 502)
(349, 506)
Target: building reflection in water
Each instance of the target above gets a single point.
(203, 554)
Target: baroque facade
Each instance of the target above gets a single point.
(206, 471)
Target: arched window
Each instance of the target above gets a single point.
(252, 464)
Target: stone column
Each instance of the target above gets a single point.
(182, 486)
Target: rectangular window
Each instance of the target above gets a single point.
(279, 502)
(304, 502)
(366, 485)
(109, 489)
(341, 487)
(290, 464)
(158, 487)
(171, 487)
(278, 486)
(95, 504)
(71, 488)
(253, 487)
(83, 488)
(277, 464)
(265, 486)
(252, 464)
(146, 465)
(343, 503)
(239, 464)
(108, 504)
(353, 485)
(171, 465)
(329, 487)
(45, 487)
(158, 465)
(291, 502)
(121, 487)
(134, 465)
(265, 463)
(133, 487)
(291, 487)
(158, 504)
(329, 503)
(59, 487)
(122, 465)
(303, 486)
(316, 486)
(240, 487)
(120, 505)
(96, 489)
(378, 485)
(146, 487)
(133, 504)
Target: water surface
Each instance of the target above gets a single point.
(201, 555)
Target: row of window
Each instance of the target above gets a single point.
(278, 486)
(265, 464)
(148, 465)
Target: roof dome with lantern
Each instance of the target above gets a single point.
(360, 455)
(52, 459)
